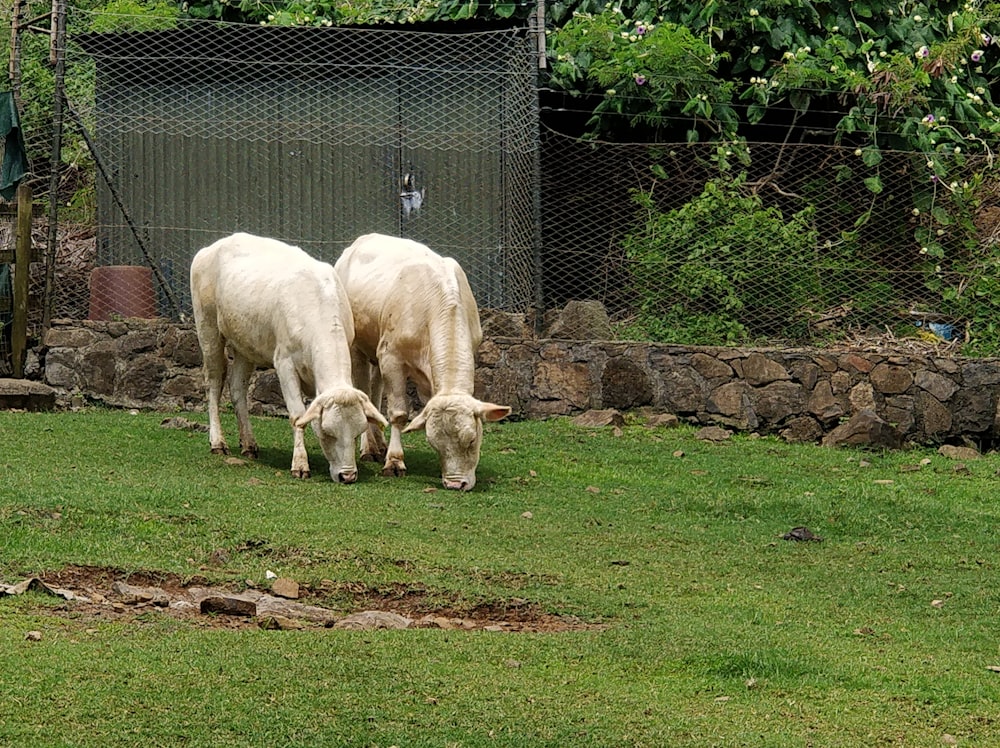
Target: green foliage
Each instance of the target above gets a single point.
(344, 12)
(722, 268)
(878, 75)
(136, 15)
(647, 72)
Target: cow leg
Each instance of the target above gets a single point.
(291, 390)
(398, 412)
(239, 384)
(368, 379)
(214, 354)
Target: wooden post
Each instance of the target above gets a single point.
(22, 273)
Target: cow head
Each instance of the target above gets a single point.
(454, 425)
(339, 417)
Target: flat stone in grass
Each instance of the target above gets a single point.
(24, 394)
(593, 419)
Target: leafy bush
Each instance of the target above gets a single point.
(705, 272)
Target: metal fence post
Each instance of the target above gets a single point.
(22, 267)
(58, 57)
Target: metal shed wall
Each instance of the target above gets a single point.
(311, 136)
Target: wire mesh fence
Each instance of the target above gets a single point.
(176, 136)
(313, 136)
(791, 243)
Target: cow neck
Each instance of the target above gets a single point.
(452, 358)
(331, 359)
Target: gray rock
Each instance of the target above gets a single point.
(802, 430)
(713, 434)
(229, 605)
(865, 428)
(599, 419)
(581, 320)
(24, 394)
(953, 452)
(285, 587)
(370, 620)
(663, 421)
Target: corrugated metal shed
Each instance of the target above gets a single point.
(316, 136)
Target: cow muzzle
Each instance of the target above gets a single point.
(459, 484)
(346, 476)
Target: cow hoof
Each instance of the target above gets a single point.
(370, 457)
(395, 470)
(301, 474)
(220, 450)
(250, 452)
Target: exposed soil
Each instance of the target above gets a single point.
(107, 594)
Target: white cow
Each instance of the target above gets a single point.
(415, 318)
(274, 305)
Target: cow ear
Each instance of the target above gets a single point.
(372, 414)
(491, 412)
(417, 423)
(314, 411)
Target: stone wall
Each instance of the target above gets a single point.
(800, 394)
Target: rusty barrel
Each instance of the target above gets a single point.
(120, 291)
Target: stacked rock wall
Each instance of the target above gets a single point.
(800, 394)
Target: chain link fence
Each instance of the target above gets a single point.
(176, 136)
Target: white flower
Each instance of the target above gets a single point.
(883, 54)
(954, 185)
(918, 19)
(788, 56)
(857, 152)
(754, 49)
(833, 68)
(754, 13)
(923, 250)
(835, 29)
(957, 150)
(940, 232)
(930, 164)
(611, 92)
(915, 211)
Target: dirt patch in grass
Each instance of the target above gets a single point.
(107, 594)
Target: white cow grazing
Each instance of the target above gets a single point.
(274, 305)
(415, 318)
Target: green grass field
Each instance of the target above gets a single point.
(693, 623)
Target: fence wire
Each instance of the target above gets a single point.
(793, 245)
(177, 136)
(312, 136)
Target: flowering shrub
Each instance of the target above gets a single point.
(649, 75)
(877, 75)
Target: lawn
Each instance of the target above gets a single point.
(657, 602)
